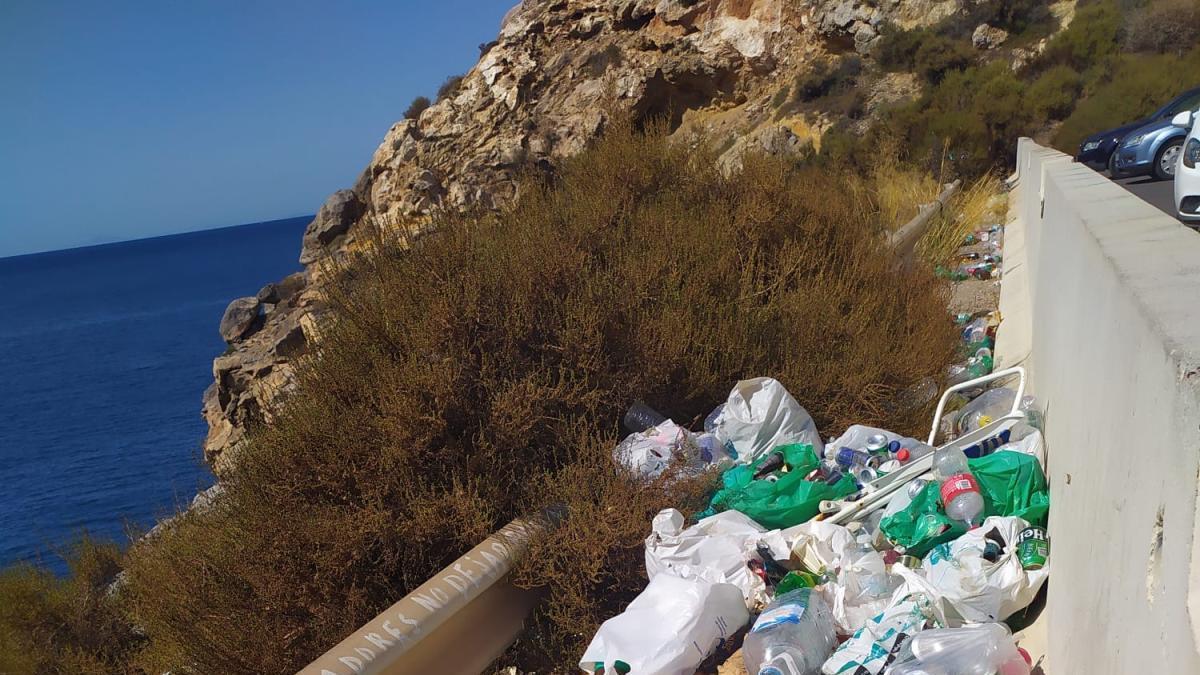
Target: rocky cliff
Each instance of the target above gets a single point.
(731, 69)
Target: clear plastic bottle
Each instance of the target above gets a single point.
(793, 636)
(985, 649)
(960, 490)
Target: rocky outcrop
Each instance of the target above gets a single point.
(988, 37)
(549, 83)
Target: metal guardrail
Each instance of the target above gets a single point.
(904, 240)
(459, 621)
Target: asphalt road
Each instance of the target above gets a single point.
(1159, 193)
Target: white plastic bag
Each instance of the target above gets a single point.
(818, 545)
(1032, 445)
(650, 452)
(760, 415)
(966, 587)
(716, 549)
(669, 629)
(869, 648)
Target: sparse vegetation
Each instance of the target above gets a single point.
(449, 87)
(418, 106)
(71, 625)
(1166, 27)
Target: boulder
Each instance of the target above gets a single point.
(988, 37)
(239, 319)
(334, 219)
(283, 290)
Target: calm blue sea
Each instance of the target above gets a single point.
(105, 352)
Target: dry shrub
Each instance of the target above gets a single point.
(71, 625)
(971, 208)
(482, 373)
(1164, 26)
(899, 188)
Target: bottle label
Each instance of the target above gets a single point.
(956, 485)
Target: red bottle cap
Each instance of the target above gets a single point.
(903, 455)
(1025, 655)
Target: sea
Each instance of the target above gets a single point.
(105, 352)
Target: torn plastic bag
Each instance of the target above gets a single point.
(968, 587)
(818, 545)
(669, 629)
(650, 452)
(716, 549)
(1012, 484)
(761, 415)
(869, 648)
(861, 589)
(782, 498)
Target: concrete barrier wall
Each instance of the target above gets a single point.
(1102, 304)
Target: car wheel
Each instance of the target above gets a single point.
(1167, 159)
(1112, 165)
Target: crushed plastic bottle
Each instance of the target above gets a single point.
(986, 408)
(984, 649)
(960, 490)
(793, 636)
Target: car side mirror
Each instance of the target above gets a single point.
(1183, 120)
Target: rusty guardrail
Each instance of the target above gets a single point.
(459, 621)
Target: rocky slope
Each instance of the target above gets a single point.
(538, 94)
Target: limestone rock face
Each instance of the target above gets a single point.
(988, 37)
(239, 317)
(550, 82)
(336, 216)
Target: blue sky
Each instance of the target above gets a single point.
(123, 120)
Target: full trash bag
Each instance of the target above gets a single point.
(715, 549)
(781, 499)
(760, 415)
(970, 585)
(1012, 484)
(669, 629)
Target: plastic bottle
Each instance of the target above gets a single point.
(641, 417)
(986, 408)
(984, 649)
(793, 636)
(960, 490)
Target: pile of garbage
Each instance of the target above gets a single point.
(864, 554)
(977, 264)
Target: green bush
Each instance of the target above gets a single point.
(1054, 93)
(72, 625)
(940, 55)
(897, 48)
(1093, 37)
(481, 374)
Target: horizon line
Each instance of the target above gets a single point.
(157, 236)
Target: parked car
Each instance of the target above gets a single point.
(1099, 151)
(1187, 174)
(1153, 149)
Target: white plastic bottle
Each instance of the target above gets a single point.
(793, 636)
(960, 490)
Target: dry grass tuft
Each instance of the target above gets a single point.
(973, 207)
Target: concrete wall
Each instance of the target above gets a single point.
(1101, 302)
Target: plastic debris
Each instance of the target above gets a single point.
(669, 629)
(759, 416)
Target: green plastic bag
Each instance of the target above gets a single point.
(1012, 484)
(789, 501)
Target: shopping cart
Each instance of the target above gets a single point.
(877, 493)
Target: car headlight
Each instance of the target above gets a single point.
(1134, 140)
(1191, 153)
(1090, 146)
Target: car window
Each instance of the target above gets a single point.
(1188, 102)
